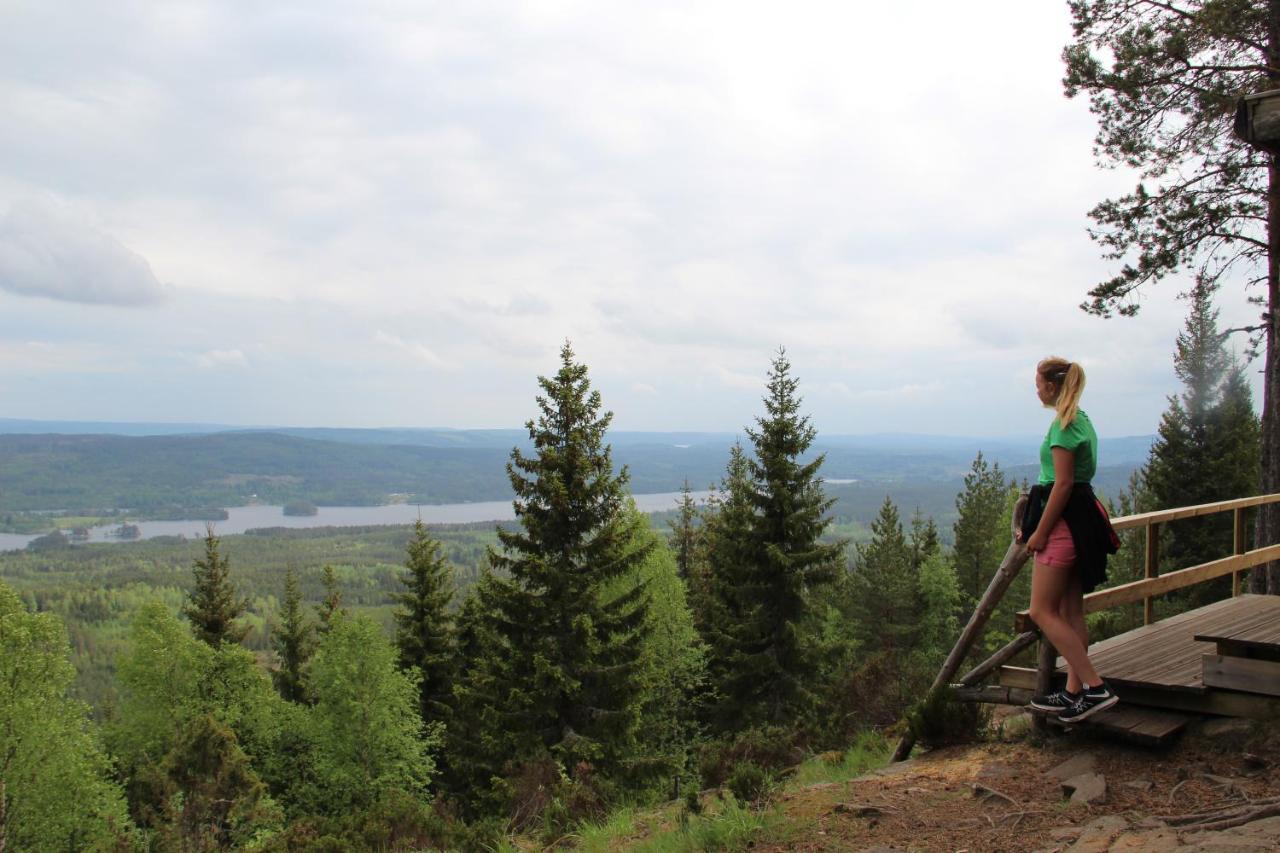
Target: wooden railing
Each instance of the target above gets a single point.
(1152, 585)
(1155, 584)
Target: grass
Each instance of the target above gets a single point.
(725, 823)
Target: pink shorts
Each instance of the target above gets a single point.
(1059, 551)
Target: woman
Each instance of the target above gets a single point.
(1067, 530)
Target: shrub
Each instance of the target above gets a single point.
(769, 747)
(749, 782)
(940, 719)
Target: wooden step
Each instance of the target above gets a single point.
(1151, 726)
(1247, 674)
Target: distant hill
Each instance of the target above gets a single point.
(68, 468)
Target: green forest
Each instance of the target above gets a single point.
(448, 687)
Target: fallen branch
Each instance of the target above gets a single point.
(983, 792)
(1175, 789)
(1239, 820)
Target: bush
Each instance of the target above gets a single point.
(749, 782)
(769, 747)
(539, 792)
(940, 719)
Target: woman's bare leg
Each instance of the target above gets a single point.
(1049, 585)
(1071, 609)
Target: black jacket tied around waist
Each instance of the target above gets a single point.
(1091, 532)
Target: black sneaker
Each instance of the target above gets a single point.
(1055, 702)
(1088, 703)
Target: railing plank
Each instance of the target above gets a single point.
(1129, 522)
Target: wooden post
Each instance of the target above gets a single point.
(1045, 667)
(1014, 559)
(1238, 548)
(1010, 649)
(1152, 566)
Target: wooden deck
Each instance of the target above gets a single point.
(1163, 664)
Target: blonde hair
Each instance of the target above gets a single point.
(1069, 377)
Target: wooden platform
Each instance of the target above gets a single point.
(1163, 664)
(1133, 722)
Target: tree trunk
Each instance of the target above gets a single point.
(1266, 579)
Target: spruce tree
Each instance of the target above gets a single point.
(1208, 447)
(293, 642)
(769, 645)
(424, 634)
(685, 534)
(565, 663)
(886, 586)
(331, 605)
(214, 606)
(980, 541)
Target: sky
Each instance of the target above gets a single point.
(394, 213)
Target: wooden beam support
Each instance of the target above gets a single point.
(1246, 674)
(1015, 557)
(1151, 566)
(1046, 667)
(993, 694)
(1238, 547)
(1006, 653)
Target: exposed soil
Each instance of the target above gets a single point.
(930, 802)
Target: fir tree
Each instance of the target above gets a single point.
(563, 671)
(293, 642)
(214, 605)
(765, 645)
(424, 634)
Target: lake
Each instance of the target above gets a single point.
(242, 518)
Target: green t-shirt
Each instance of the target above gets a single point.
(1080, 439)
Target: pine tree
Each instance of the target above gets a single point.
(214, 605)
(767, 645)
(424, 634)
(293, 642)
(565, 663)
(980, 540)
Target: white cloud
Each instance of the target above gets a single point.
(416, 350)
(46, 251)
(216, 358)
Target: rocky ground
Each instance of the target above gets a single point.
(1217, 789)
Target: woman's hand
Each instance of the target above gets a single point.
(1037, 541)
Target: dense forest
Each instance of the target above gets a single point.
(399, 688)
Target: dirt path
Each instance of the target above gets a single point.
(996, 797)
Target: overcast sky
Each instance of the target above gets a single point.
(393, 213)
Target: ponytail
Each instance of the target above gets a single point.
(1069, 377)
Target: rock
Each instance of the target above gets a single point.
(1085, 788)
(1066, 833)
(1148, 841)
(1084, 762)
(898, 768)
(1226, 727)
(998, 770)
(856, 809)
(1150, 823)
(1098, 835)
(982, 792)
(1253, 837)
(1140, 784)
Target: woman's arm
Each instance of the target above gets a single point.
(1064, 475)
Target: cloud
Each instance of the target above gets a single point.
(417, 350)
(45, 251)
(222, 358)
